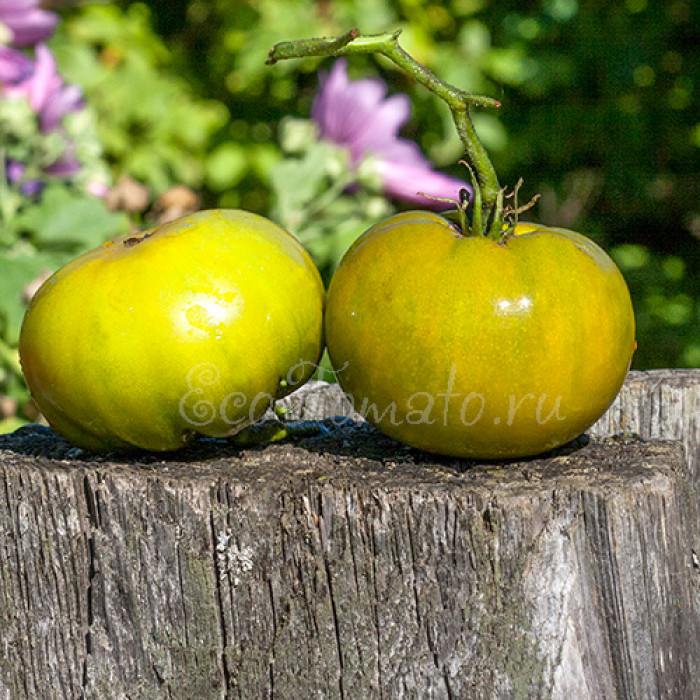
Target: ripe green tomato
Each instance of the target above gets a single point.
(192, 327)
(468, 347)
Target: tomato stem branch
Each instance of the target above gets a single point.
(459, 102)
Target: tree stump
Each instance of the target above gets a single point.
(662, 404)
(345, 565)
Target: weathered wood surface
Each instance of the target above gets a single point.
(662, 404)
(347, 566)
(658, 404)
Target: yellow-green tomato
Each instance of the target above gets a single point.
(191, 327)
(469, 347)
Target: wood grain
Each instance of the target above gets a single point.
(347, 566)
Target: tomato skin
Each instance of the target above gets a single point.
(468, 347)
(149, 339)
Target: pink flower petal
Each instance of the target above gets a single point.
(342, 109)
(31, 188)
(45, 90)
(67, 99)
(405, 182)
(9, 6)
(380, 128)
(14, 170)
(65, 166)
(97, 189)
(29, 26)
(405, 151)
(359, 116)
(44, 80)
(14, 66)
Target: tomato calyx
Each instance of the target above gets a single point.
(512, 211)
(503, 221)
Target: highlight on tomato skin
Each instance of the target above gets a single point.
(465, 346)
(193, 327)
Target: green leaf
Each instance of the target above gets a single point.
(9, 425)
(226, 166)
(72, 222)
(301, 179)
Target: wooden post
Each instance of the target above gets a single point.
(663, 404)
(348, 566)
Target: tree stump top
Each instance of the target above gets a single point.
(351, 453)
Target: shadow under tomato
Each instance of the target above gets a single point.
(327, 444)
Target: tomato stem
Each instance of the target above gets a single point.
(476, 228)
(486, 187)
(269, 431)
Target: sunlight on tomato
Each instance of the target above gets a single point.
(468, 347)
(191, 327)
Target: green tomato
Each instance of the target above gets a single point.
(193, 327)
(469, 347)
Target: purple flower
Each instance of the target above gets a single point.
(14, 66)
(67, 164)
(14, 171)
(51, 99)
(46, 92)
(32, 188)
(358, 116)
(27, 23)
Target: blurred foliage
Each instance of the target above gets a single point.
(599, 114)
(667, 307)
(151, 125)
(318, 196)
